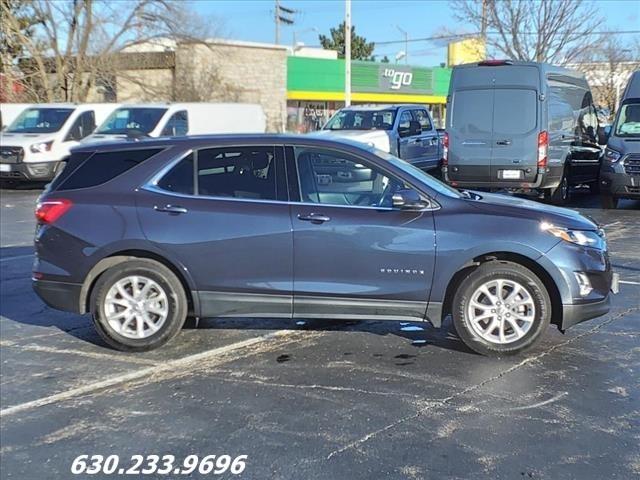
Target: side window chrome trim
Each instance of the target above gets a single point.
(152, 186)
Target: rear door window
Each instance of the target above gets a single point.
(180, 178)
(472, 112)
(237, 172)
(515, 111)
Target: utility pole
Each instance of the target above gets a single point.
(347, 53)
(282, 15)
(406, 44)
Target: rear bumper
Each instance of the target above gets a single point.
(577, 313)
(41, 171)
(59, 295)
(546, 178)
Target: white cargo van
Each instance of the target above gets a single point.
(178, 119)
(36, 144)
(9, 112)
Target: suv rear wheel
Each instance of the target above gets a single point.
(501, 308)
(138, 305)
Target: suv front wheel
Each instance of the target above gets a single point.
(501, 308)
(138, 305)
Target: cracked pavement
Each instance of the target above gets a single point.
(321, 399)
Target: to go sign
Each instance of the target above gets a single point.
(397, 79)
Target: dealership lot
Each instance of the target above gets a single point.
(317, 399)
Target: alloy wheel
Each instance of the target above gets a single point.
(501, 311)
(136, 307)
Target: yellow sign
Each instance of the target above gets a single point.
(469, 50)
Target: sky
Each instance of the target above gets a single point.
(376, 20)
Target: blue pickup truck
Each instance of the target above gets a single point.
(406, 131)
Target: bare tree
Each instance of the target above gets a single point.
(76, 42)
(554, 31)
(608, 67)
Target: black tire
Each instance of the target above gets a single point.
(559, 195)
(608, 201)
(162, 276)
(506, 271)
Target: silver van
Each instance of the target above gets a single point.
(620, 174)
(521, 126)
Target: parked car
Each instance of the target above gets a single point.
(36, 145)
(521, 126)
(142, 235)
(406, 131)
(620, 174)
(179, 119)
(9, 112)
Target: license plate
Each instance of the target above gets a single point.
(5, 168)
(511, 174)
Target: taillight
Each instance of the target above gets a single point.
(51, 210)
(445, 149)
(543, 148)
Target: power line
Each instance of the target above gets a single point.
(476, 34)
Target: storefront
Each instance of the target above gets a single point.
(315, 88)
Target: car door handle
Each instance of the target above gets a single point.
(175, 209)
(314, 218)
(503, 142)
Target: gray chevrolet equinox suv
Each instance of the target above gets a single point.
(144, 234)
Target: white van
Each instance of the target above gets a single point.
(9, 112)
(179, 119)
(36, 144)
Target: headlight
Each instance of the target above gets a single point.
(585, 238)
(41, 147)
(611, 156)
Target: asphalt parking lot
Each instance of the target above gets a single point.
(321, 399)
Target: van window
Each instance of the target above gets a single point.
(238, 172)
(83, 126)
(177, 126)
(40, 120)
(104, 166)
(515, 121)
(472, 111)
(137, 119)
(628, 124)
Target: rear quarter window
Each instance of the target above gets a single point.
(101, 167)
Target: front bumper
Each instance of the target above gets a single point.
(619, 184)
(59, 295)
(577, 313)
(41, 171)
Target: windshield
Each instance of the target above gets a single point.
(125, 120)
(418, 174)
(628, 124)
(40, 120)
(362, 120)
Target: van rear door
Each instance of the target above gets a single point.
(470, 135)
(515, 135)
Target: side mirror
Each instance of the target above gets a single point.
(603, 134)
(408, 199)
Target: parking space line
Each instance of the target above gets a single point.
(628, 282)
(17, 257)
(101, 356)
(142, 373)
